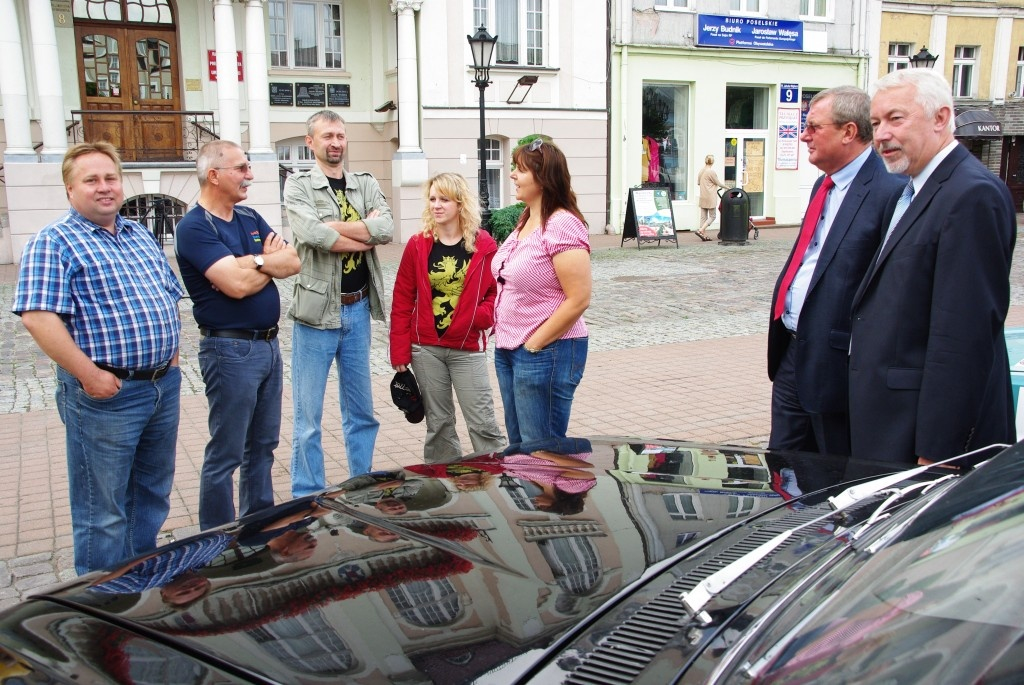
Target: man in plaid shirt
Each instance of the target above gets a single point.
(97, 294)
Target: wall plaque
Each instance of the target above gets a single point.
(282, 94)
(310, 95)
(338, 95)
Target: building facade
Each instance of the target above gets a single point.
(158, 78)
(979, 48)
(729, 78)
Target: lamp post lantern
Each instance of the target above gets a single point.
(923, 59)
(481, 44)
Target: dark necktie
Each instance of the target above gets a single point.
(806, 233)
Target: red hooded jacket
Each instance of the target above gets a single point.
(412, 308)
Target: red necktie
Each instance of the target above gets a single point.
(806, 233)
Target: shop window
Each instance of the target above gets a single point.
(519, 26)
(965, 58)
(899, 57)
(305, 34)
(664, 129)
(746, 107)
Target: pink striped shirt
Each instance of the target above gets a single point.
(528, 288)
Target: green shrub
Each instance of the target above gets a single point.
(504, 220)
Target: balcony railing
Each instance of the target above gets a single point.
(146, 136)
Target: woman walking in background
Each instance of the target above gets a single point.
(708, 182)
(442, 308)
(544, 284)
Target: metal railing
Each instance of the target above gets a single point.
(196, 129)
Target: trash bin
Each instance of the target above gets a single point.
(735, 211)
(1015, 349)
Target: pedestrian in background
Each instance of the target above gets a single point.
(229, 258)
(337, 218)
(544, 286)
(708, 183)
(98, 296)
(929, 374)
(441, 312)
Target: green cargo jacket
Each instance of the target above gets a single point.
(310, 202)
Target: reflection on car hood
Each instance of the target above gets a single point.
(441, 573)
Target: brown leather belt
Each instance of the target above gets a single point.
(352, 298)
(240, 333)
(138, 374)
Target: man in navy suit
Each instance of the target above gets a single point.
(929, 375)
(809, 332)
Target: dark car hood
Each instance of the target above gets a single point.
(441, 573)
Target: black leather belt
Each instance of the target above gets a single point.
(240, 333)
(137, 375)
(352, 298)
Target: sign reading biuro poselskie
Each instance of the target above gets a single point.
(749, 32)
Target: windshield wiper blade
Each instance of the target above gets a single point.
(696, 599)
(856, 493)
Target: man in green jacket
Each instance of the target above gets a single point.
(336, 217)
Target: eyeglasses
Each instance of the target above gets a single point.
(815, 128)
(499, 278)
(243, 167)
(535, 145)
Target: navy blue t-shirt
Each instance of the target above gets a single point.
(201, 240)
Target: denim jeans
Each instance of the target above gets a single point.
(244, 380)
(120, 454)
(313, 351)
(537, 388)
(440, 369)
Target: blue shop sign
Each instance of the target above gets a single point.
(749, 32)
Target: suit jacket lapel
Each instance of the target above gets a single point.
(917, 207)
(854, 198)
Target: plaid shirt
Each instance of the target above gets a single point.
(115, 292)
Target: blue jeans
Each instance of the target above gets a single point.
(120, 454)
(313, 351)
(244, 380)
(537, 388)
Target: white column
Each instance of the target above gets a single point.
(227, 70)
(937, 39)
(48, 82)
(408, 69)
(1001, 85)
(13, 88)
(259, 85)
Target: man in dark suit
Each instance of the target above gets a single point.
(929, 376)
(809, 333)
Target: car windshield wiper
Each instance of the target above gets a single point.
(696, 599)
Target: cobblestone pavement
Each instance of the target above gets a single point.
(676, 350)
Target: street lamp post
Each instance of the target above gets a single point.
(481, 44)
(923, 59)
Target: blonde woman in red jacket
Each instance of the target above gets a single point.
(442, 309)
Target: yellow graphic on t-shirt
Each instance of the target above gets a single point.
(447, 279)
(350, 261)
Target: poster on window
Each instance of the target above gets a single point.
(787, 146)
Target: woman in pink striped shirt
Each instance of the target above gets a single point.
(544, 284)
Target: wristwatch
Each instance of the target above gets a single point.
(258, 261)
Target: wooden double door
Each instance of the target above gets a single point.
(130, 90)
